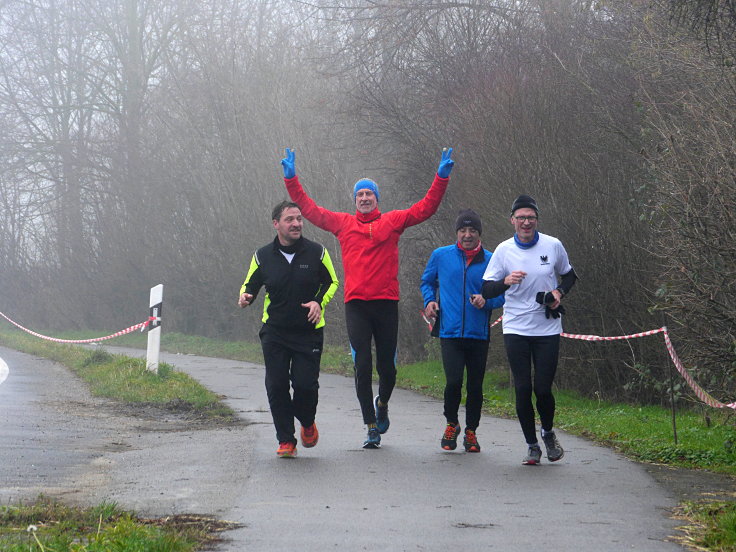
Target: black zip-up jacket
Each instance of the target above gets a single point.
(309, 277)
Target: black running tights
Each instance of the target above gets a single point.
(457, 355)
(377, 321)
(543, 351)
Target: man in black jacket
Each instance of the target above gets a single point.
(300, 280)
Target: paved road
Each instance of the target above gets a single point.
(409, 495)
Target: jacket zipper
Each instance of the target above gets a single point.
(465, 274)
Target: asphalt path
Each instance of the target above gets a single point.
(408, 495)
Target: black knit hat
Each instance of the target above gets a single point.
(468, 217)
(524, 201)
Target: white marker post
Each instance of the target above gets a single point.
(154, 328)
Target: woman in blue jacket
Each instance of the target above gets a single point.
(451, 287)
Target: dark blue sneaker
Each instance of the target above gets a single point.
(374, 439)
(554, 450)
(382, 421)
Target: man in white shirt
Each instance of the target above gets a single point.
(534, 272)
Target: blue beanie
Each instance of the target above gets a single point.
(366, 184)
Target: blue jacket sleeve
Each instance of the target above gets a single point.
(429, 280)
(496, 302)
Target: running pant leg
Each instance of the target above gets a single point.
(385, 319)
(476, 355)
(545, 352)
(518, 351)
(305, 377)
(277, 359)
(453, 362)
(360, 334)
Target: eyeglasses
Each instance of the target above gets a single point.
(526, 219)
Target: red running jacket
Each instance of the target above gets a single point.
(369, 243)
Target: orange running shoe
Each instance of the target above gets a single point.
(470, 442)
(310, 436)
(449, 438)
(287, 449)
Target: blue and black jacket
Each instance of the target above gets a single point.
(449, 281)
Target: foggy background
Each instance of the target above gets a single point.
(140, 143)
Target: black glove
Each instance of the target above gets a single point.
(554, 313)
(547, 299)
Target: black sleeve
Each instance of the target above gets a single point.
(254, 278)
(567, 281)
(254, 283)
(493, 288)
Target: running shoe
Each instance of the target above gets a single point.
(382, 421)
(470, 441)
(287, 449)
(554, 450)
(374, 439)
(449, 439)
(533, 456)
(310, 436)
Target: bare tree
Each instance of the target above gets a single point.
(142, 142)
(689, 98)
(536, 98)
(48, 87)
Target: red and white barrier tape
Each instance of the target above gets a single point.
(585, 337)
(701, 393)
(140, 326)
(430, 322)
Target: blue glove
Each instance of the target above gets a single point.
(288, 164)
(446, 163)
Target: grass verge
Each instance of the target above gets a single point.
(48, 525)
(126, 379)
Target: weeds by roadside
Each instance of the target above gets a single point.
(711, 525)
(47, 525)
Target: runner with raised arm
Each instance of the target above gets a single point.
(369, 240)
